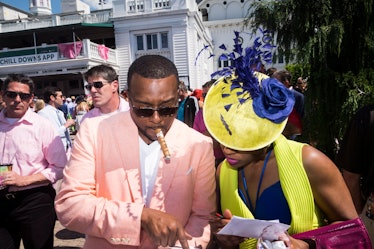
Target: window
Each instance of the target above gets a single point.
(224, 63)
(153, 41)
(139, 42)
(164, 40)
(135, 5)
(159, 4)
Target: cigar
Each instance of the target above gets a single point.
(164, 147)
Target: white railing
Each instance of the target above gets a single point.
(16, 26)
(89, 51)
(71, 19)
(59, 20)
(93, 52)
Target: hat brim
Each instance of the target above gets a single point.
(233, 124)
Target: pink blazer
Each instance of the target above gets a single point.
(101, 193)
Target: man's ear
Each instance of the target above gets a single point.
(115, 84)
(31, 99)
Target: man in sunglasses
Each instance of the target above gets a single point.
(36, 158)
(102, 84)
(121, 190)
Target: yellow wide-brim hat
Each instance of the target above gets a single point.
(230, 117)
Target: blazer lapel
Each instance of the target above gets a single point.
(166, 170)
(131, 164)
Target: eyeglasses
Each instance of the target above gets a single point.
(96, 84)
(148, 111)
(13, 95)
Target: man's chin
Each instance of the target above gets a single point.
(148, 138)
(97, 104)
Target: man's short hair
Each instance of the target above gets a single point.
(271, 71)
(21, 78)
(152, 67)
(106, 72)
(282, 75)
(48, 91)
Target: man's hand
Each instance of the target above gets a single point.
(164, 228)
(12, 178)
(69, 122)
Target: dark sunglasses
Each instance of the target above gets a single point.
(96, 84)
(148, 111)
(13, 95)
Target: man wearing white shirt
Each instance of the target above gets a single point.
(53, 98)
(102, 83)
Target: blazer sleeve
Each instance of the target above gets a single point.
(78, 205)
(204, 197)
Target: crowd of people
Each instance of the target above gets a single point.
(160, 166)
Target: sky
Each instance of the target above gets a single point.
(56, 4)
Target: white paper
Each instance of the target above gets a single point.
(252, 228)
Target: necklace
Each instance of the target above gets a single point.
(246, 198)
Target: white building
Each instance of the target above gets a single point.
(170, 28)
(55, 49)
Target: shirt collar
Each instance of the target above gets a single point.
(28, 117)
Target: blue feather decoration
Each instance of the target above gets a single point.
(244, 61)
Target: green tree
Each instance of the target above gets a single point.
(334, 39)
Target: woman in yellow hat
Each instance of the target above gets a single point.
(265, 176)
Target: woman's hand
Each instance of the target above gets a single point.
(225, 241)
(293, 243)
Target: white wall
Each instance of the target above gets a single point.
(74, 5)
(10, 14)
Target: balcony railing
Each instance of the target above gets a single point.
(49, 58)
(55, 20)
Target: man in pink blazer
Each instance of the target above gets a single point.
(118, 187)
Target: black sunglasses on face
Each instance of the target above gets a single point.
(148, 111)
(96, 84)
(13, 95)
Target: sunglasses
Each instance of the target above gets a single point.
(148, 111)
(96, 84)
(13, 95)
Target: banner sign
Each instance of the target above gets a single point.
(28, 56)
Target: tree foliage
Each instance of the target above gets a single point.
(334, 39)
